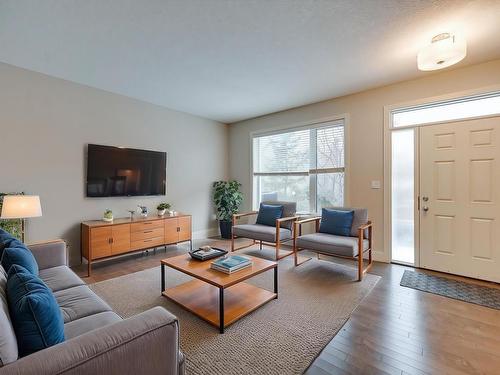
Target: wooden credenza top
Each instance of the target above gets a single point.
(127, 220)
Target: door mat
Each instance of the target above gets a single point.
(472, 293)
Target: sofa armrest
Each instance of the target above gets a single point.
(147, 343)
(49, 253)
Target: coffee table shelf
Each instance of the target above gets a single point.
(202, 299)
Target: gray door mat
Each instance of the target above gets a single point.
(477, 294)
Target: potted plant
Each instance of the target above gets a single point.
(108, 215)
(162, 208)
(227, 199)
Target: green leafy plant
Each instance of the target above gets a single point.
(13, 226)
(163, 206)
(108, 214)
(227, 199)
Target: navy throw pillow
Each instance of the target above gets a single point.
(36, 316)
(336, 222)
(18, 253)
(268, 213)
(5, 240)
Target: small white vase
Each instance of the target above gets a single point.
(161, 212)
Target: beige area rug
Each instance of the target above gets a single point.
(282, 337)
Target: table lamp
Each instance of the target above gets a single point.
(21, 207)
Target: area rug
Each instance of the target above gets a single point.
(467, 292)
(282, 337)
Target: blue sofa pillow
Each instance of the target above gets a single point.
(36, 316)
(336, 222)
(18, 253)
(5, 240)
(268, 213)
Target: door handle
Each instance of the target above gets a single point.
(425, 208)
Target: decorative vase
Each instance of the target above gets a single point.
(161, 212)
(143, 211)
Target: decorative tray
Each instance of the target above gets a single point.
(196, 254)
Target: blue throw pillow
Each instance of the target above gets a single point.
(36, 316)
(268, 213)
(18, 253)
(336, 222)
(5, 240)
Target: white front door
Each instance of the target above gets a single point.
(460, 198)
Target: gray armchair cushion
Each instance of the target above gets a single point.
(8, 341)
(59, 278)
(80, 326)
(79, 302)
(289, 209)
(331, 244)
(261, 232)
(360, 218)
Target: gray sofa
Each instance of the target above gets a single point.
(98, 341)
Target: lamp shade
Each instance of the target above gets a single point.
(21, 206)
(445, 50)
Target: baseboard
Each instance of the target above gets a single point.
(205, 233)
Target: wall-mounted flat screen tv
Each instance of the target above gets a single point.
(122, 172)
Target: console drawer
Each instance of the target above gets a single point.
(146, 243)
(147, 233)
(145, 225)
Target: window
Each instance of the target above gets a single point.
(473, 106)
(306, 166)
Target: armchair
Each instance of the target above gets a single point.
(273, 236)
(352, 247)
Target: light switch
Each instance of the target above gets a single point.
(376, 184)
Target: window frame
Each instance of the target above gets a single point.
(308, 125)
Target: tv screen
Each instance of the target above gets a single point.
(118, 172)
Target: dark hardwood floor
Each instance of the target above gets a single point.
(395, 330)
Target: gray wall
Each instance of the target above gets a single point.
(365, 113)
(45, 125)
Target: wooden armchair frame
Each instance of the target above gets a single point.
(276, 244)
(359, 258)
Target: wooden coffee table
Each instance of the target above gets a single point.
(215, 297)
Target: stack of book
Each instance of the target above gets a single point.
(231, 264)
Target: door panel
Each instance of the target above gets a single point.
(460, 187)
(184, 228)
(171, 232)
(100, 242)
(121, 238)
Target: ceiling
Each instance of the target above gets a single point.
(230, 60)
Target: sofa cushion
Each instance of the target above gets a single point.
(5, 240)
(8, 342)
(18, 253)
(261, 232)
(268, 214)
(59, 278)
(336, 222)
(83, 325)
(331, 244)
(36, 317)
(79, 302)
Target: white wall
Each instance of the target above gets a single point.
(45, 124)
(366, 114)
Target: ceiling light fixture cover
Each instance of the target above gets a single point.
(445, 50)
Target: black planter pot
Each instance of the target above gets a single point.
(225, 229)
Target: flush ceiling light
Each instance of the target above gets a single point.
(445, 50)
